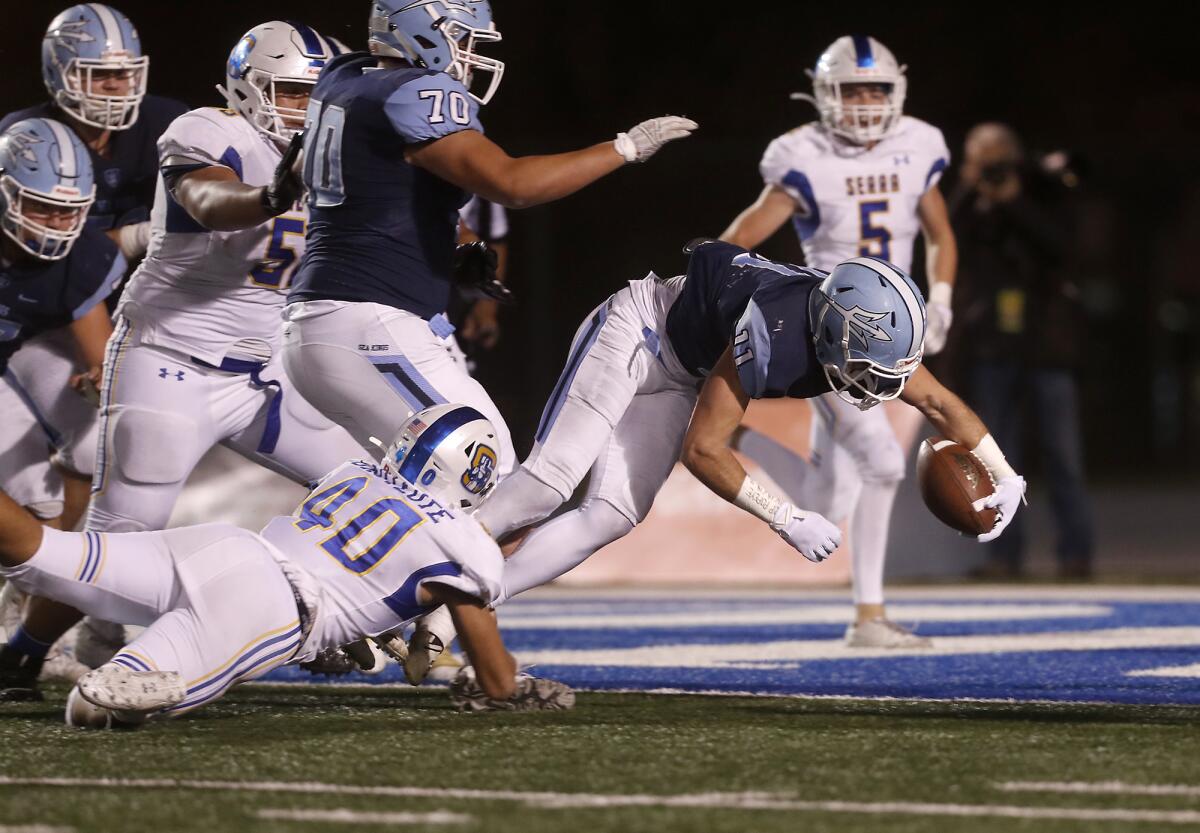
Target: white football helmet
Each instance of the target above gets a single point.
(857, 59)
(270, 53)
(448, 450)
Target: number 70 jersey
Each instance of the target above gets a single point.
(370, 540)
(853, 201)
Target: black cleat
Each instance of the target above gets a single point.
(18, 676)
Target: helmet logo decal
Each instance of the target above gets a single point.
(483, 465)
(240, 56)
(861, 322)
(70, 34)
(451, 5)
(22, 146)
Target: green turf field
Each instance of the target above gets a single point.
(619, 762)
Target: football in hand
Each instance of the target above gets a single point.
(951, 479)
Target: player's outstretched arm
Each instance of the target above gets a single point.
(476, 164)
(216, 199)
(495, 668)
(762, 219)
(955, 421)
(20, 533)
(708, 456)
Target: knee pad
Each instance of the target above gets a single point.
(153, 447)
(604, 522)
(883, 461)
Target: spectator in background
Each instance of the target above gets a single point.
(1022, 317)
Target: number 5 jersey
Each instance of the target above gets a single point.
(201, 292)
(852, 200)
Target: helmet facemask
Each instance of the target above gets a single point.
(112, 111)
(465, 61)
(38, 239)
(266, 115)
(859, 123)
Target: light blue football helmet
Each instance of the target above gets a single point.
(439, 35)
(868, 323)
(45, 170)
(93, 66)
(449, 450)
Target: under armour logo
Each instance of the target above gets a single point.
(163, 373)
(900, 159)
(861, 321)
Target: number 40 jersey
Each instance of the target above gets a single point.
(369, 540)
(852, 200)
(198, 291)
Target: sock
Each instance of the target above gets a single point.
(23, 643)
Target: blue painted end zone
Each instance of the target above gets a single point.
(1082, 649)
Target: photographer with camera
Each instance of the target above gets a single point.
(1022, 314)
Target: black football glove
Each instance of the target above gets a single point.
(475, 273)
(286, 186)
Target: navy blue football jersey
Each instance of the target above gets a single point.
(126, 179)
(39, 295)
(380, 230)
(732, 296)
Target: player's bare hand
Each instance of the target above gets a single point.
(809, 533)
(481, 325)
(643, 140)
(87, 384)
(1010, 491)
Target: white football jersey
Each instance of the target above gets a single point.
(370, 540)
(851, 201)
(200, 291)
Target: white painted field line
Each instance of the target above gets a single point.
(740, 654)
(1167, 671)
(34, 828)
(356, 817)
(552, 800)
(1099, 788)
(784, 614)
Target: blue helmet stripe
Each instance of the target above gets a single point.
(862, 51)
(432, 438)
(313, 48)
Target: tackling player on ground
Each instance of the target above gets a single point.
(860, 181)
(664, 366)
(367, 552)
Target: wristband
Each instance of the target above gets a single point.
(941, 292)
(625, 146)
(133, 239)
(992, 457)
(756, 500)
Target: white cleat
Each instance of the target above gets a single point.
(61, 665)
(884, 633)
(423, 651)
(122, 690)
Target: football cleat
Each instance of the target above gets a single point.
(423, 651)
(532, 694)
(883, 633)
(81, 714)
(19, 676)
(61, 665)
(333, 662)
(122, 690)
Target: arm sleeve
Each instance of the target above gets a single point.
(430, 107)
(95, 272)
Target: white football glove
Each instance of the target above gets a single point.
(938, 317)
(1010, 491)
(809, 533)
(643, 140)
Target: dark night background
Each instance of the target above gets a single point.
(1108, 86)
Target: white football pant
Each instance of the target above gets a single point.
(25, 470)
(620, 410)
(161, 411)
(217, 606)
(369, 367)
